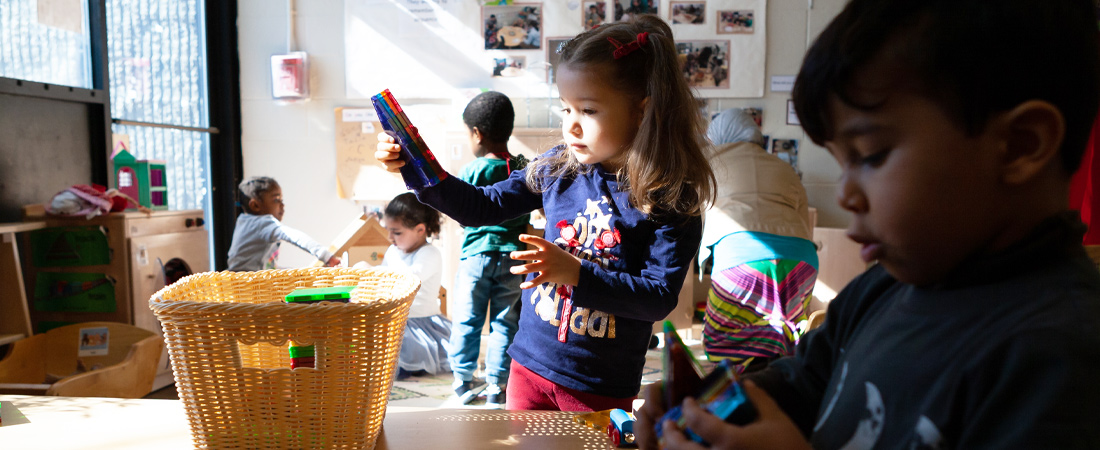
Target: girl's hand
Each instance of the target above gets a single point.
(772, 428)
(553, 264)
(389, 153)
(333, 261)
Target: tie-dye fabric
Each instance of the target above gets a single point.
(757, 310)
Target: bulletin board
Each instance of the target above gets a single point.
(358, 174)
(434, 49)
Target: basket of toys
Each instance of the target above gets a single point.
(230, 336)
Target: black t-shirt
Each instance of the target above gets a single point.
(1004, 354)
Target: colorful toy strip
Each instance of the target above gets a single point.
(305, 355)
(421, 169)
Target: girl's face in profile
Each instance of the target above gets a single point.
(598, 121)
(405, 238)
(269, 202)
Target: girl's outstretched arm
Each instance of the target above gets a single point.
(470, 205)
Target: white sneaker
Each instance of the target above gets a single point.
(495, 397)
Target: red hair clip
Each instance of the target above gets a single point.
(623, 50)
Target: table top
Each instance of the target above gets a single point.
(31, 422)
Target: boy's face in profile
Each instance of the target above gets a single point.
(921, 192)
(269, 202)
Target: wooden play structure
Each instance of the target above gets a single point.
(364, 238)
(90, 359)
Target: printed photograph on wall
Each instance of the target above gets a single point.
(705, 63)
(787, 150)
(735, 22)
(593, 14)
(512, 27)
(692, 13)
(623, 10)
(512, 66)
(552, 56)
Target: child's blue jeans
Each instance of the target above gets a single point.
(484, 284)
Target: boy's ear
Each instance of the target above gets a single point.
(1033, 131)
(476, 133)
(421, 228)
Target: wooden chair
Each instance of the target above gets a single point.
(125, 370)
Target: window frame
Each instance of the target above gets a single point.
(223, 92)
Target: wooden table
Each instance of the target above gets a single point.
(109, 423)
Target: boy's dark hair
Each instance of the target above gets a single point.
(407, 209)
(974, 58)
(253, 188)
(492, 113)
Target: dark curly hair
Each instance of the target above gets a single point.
(410, 212)
(974, 58)
(253, 188)
(492, 114)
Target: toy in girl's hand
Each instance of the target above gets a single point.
(682, 373)
(621, 429)
(305, 355)
(421, 169)
(720, 395)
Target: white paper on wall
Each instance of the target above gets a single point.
(431, 49)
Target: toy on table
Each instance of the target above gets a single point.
(421, 169)
(596, 419)
(305, 355)
(720, 395)
(621, 429)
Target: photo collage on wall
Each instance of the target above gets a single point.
(512, 27)
(709, 36)
(705, 63)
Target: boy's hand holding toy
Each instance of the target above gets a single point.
(389, 153)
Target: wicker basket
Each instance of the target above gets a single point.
(227, 335)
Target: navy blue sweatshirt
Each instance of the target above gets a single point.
(631, 273)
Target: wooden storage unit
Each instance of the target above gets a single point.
(147, 252)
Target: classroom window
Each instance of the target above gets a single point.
(46, 41)
(157, 72)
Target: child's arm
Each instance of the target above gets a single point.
(469, 205)
(304, 242)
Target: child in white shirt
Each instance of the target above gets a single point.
(424, 348)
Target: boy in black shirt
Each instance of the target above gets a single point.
(957, 125)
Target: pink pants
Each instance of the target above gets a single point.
(529, 391)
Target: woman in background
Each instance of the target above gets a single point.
(764, 264)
